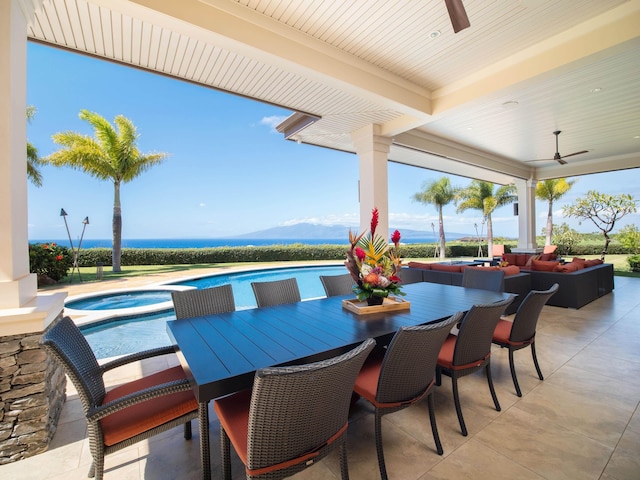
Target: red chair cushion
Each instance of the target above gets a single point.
(503, 331)
(445, 356)
(233, 413)
(568, 267)
(367, 382)
(144, 416)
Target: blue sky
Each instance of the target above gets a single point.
(228, 171)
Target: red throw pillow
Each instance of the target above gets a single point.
(446, 268)
(522, 259)
(591, 263)
(510, 270)
(547, 257)
(531, 259)
(423, 266)
(510, 258)
(568, 267)
(542, 266)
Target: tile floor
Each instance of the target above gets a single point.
(582, 422)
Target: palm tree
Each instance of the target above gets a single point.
(33, 161)
(551, 191)
(111, 155)
(480, 196)
(438, 193)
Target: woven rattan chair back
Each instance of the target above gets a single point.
(337, 285)
(276, 292)
(296, 409)
(526, 318)
(206, 301)
(476, 331)
(409, 364)
(483, 279)
(68, 346)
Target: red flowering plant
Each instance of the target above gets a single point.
(373, 264)
(50, 261)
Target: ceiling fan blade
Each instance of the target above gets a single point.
(575, 153)
(457, 14)
(561, 161)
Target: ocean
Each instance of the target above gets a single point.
(206, 242)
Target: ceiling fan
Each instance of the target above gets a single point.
(457, 14)
(557, 157)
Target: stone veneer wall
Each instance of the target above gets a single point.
(32, 392)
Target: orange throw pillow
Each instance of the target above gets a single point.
(567, 267)
(446, 268)
(542, 266)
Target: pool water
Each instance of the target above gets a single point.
(131, 334)
(308, 282)
(139, 298)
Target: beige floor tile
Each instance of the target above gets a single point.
(545, 448)
(473, 460)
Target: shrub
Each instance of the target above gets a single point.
(629, 237)
(49, 261)
(634, 263)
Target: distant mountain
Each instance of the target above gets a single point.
(314, 231)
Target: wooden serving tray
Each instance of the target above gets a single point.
(388, 305)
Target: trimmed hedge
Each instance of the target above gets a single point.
(297, 252)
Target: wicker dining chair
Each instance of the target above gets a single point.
(470, 350)
(128, 413)
(521, 333)
(404, 375)
(293, 417)
(337, 285)
(483, 279)
(276, 292)
(204, 301)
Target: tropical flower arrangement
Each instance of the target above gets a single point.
(373, 264)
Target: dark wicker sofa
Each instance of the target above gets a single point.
(519, 283)
(577, 288)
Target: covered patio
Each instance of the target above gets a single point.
(387, 81)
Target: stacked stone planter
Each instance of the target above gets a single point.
(32, 392)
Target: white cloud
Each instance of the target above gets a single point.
(202, 204)
(272, 121)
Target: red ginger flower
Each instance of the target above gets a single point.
(374, 221)
(395, 238)
(360, 254)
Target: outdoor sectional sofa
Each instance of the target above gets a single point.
(451, 274)
(578, 286)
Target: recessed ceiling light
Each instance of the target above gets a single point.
(596, 90)
(434, 34)
(510, 104)
(637, 136)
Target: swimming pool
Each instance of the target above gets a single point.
(128, 299)
(126, 334)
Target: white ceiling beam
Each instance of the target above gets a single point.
(249, 32)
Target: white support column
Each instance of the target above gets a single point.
(20, 310)
(373, 151)
(526, 216)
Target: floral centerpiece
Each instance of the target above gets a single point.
(373, 264)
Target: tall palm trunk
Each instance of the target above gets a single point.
(116, 228)
(489, 236)
(443, 241)
(549, 224)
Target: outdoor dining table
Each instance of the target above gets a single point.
(221, 353)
